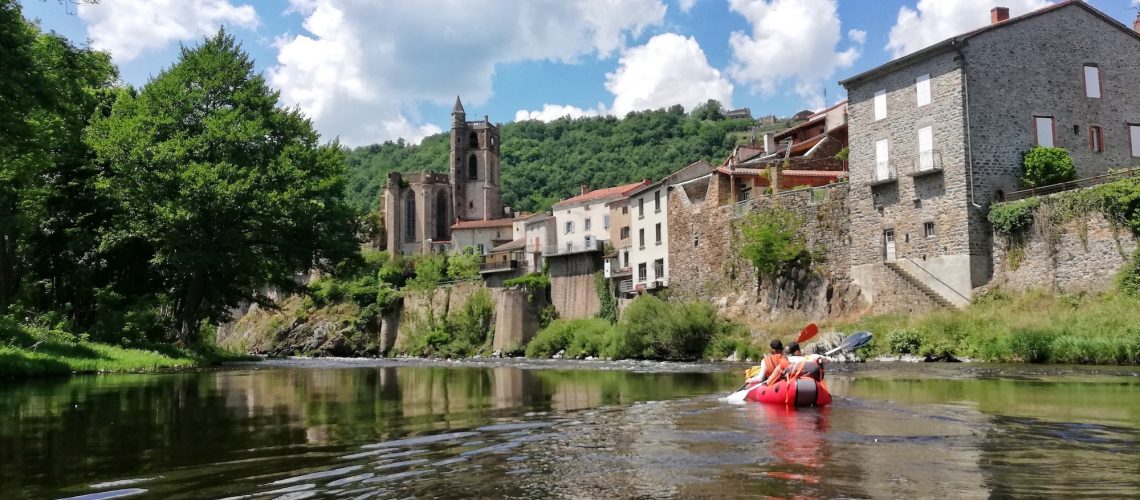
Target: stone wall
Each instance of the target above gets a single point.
(1084, 255)
(704, 244)
(516, 318)
(572, 289)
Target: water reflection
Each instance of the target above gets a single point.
(400, 430)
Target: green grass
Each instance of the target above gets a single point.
(34, 351)
(1036, 327)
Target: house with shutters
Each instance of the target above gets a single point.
(938, 135)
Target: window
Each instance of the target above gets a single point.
(479, 247)
(1096, 139)
(410, 217)
(1043, 130)
(659, 269)
(641, 208)
(569, 227)
(696, 239)
(928, 229)
(1134, 139)
(625, 209)
(569, 247)
(606, 221)
(472, 168)
(624, 233)
(882, 160)
(641, 238)
(625, 259)
(589, 243)
(922, 85)
(926, 148)
(587, 225)
(1092, 81)
(880, 105)
(657, 201)
(658, 229)
(641, 272)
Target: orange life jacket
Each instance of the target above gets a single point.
(774, 365)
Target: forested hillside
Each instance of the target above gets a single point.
(544, 162)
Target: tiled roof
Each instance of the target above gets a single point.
(518, 244)
(748, 172)
(599, 194)
(482, 224)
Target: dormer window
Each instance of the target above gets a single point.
(1092, 81)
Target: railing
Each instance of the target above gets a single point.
(625, 286)
(884, 172)
(573, 247)
(1070, 185)
(936, 278)
(499, 265)
(927, 162)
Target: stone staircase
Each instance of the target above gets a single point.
(938, 298)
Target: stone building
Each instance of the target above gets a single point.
(423, 211)
(938, 135)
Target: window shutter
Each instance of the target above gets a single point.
(880, 105)
(922, 85)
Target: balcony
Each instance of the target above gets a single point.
(573, 247)
(884, 173)
(625, 287)
(927, 162)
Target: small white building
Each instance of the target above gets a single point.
(649, 227)
(481, 234)
(584, 220)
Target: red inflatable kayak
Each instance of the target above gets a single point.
(795, 393)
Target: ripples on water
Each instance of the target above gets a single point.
(348, 431)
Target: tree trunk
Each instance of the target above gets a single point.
(7, 271)
(188, 317)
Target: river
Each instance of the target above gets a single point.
(348, 429)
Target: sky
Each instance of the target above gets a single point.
(369, 71)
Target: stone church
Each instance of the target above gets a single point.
(424, 210)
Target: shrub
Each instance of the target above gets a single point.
(905, 341)
(1030, 346)
(463, 265)
(772, 238)
(1045, 166)
(579, 338)
(533, 282)
(608, 307)
(1013, 217)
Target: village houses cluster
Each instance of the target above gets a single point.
(929, 141)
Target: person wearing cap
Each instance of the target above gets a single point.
(773, 362)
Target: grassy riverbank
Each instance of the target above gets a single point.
(34, 351)
(1036, 327)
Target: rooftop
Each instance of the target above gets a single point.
(602, 194)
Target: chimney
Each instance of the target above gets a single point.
(647, 181)
(999, 14)
(585, 189)
(769, 143)
(1136, 23)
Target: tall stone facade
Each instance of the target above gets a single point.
(704, 248)
(918, 211)
(423, 206)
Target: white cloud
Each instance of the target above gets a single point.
(860, 36)
(932, 21)
(687, 5)
(669, 69)
(363, 66)
(551, 112)
(127, 28)
(791, 41)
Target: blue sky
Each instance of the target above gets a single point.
(370, 70)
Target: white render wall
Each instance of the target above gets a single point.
(648, 221)
(463, 238)
(595, 212)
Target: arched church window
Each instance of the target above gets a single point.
(441, 215)
(410, 217)
(472, 168)
(473, 141)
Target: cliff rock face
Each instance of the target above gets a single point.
(294, 330)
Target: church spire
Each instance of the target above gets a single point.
(458, 109)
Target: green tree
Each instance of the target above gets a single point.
(710, 110)
(430, 270)
(1045, 166)
(227, 192)
(464, 265)
(772, 238)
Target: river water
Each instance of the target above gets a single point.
(349, 429)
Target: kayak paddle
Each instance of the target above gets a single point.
(808, 332)
(855, 341)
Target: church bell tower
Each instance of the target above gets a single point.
(475, 187)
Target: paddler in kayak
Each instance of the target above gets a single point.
(773, 362)
(800, 366)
